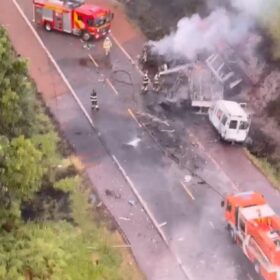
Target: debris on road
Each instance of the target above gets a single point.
(99, 204)
(112, 194)
(132, 202)
(187, 178)
(162, 224)
(134, 143)
(124, 218)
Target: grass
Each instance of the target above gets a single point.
(95, 243)
(270, 171)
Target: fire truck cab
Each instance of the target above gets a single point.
(255, 227)
(74, 17)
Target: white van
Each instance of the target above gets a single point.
(230, 120)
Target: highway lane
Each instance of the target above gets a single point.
(203, 253)
(232, 160)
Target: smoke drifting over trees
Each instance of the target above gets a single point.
(195, 34)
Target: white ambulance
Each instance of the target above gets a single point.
(230, 120)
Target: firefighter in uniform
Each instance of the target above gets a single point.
(156, 83)
(145, 55)
(145, 83)
(93, 100)
(107, 45)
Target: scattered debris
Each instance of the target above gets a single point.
(134, 143)
(154, 118)
(112, 194)
(124, 218)
(92, 198)
(132, 202)
(162, 224)
(187, 178)
(99, 204)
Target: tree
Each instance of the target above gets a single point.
(20, 168)
(17, 100)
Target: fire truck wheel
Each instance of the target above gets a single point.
(48, 27)
(232, 235)
(86, 36)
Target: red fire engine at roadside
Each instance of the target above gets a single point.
(255, 227)
(73, 17)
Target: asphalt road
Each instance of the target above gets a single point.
(189, 217)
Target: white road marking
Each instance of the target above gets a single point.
(139, 197)
(211, 224)
(184, 269)
(218, 166)
(134, 117)
(188, 191)
(149, 213)
(54, 63)
(93, 60)
(250, 277)
(111, 86)
(162, 224)
(126, 53)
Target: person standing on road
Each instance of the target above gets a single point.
(107, 45)
(93, 100)
(145, 83)
(156, 83)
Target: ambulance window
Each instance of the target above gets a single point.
(243, 125)
(224, 120)
(219, 114)
(233, 124)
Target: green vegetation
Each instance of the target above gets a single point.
(271, 171)
(271, 21)
(48, 229)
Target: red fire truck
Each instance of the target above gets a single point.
(74, 17)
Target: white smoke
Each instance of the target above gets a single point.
(255, 8)
(195, 34)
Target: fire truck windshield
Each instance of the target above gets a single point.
(100, 21)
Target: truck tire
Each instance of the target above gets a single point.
(232, 235)
(48, 27)
(86, 36)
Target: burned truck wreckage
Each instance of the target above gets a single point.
(212, 76)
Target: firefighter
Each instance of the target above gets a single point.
(107, 45)
(93, 100)
(156, 83)
(145, 83)
(145, 55)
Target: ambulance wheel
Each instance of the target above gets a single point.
(86, 36)
(48, 27)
